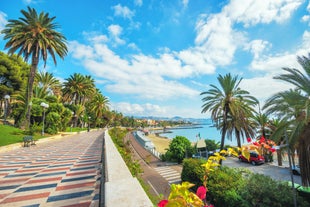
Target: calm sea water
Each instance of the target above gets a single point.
(206, 132)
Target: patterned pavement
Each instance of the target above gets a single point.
(60, 172)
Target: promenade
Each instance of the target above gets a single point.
(60, 172)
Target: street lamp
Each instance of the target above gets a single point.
(45, 106)
(82, 123)
(71, 121)
(6, 107)
(88, 129)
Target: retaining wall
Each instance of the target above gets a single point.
(121, 188)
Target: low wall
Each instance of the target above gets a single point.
(121, 188)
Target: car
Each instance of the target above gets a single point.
(255, 158)
(296, 170)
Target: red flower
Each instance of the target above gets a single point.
(272, 149)
(202, 192)
(248, 139)
(162, 203)
(262, 139)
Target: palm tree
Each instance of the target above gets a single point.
(226, 103)
(261, 122)
(48, 83)
(98, 106)
(296, 110)
(34, 36)
(78, 88)
(240, 123)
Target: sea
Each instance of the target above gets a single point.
(196, 132)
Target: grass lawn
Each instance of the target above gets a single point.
(10, 135)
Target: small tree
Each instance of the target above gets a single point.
(179, 148)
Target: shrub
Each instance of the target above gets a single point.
(223, 185)
(117, 135)
(193, 172)
(179, 147)
(261, 190)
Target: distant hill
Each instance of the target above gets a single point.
(200, 121)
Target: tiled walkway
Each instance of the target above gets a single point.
(61, 172)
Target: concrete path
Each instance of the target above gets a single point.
(60, 172)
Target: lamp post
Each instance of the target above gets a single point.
(6, 107)
(45, 106)
(71, 121)
(82, 123)
(88, 129)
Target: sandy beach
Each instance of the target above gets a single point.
(161, 143)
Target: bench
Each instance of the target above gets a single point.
(28, 140)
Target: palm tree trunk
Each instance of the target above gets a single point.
(238, 138)
(223, 139)
(279, 157)
(33, 69)
(304, 156)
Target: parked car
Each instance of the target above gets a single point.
(296, 170)
(255, 158)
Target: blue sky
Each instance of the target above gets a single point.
(155, 57)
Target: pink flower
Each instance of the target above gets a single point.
(202, 192)
(248, 139)
(162, 203)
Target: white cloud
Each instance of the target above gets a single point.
(115, 32)
(147, 109)
(95, 37)
(123, 11)
(185, 3)
(80, 51)
(221, 41)
(29, 1)
(264, 87)
(133, 46)
(3, 20)
(274, 64)
(251, 12)
(216, 33)
(257, 47)
(143, 76)
(138, 2)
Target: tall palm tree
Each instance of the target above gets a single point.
(297, 112)
(226, 102)
(261, 122)
(78, 88)
(34, 36)
(98, 106)
(48, 83)
(240, 122)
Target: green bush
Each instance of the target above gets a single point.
(262, 191)
(223, 185)
(117, 135)
(193, 172)
(179, 148)
(237, 187)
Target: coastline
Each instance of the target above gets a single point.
(161, 143)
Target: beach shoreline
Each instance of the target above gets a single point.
(161, 143)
